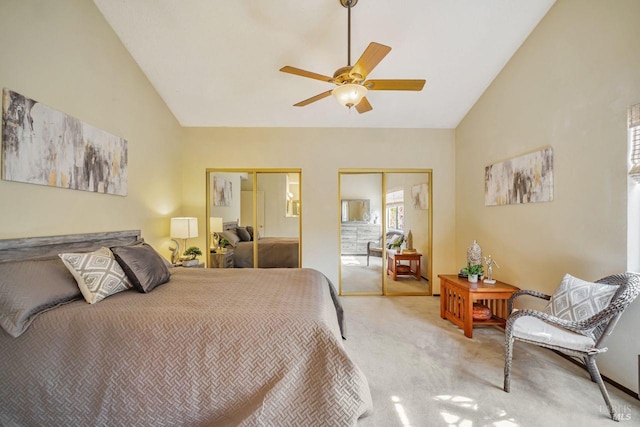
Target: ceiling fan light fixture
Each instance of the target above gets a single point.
(349, 95)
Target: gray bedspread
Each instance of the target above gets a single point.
(213, 347)
(273, 252)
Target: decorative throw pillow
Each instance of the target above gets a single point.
(97, 273)
(142, 265)
(250, 231)
(28, 288)
(231, 236)
(243, 234)
(576, 299)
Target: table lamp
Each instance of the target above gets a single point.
(183, 228)
(215, 226)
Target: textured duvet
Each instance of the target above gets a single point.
(212, 347)
(273, 252)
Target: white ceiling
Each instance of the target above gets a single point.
(215, 63)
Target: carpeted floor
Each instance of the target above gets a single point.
(357, 276)
(422, 371)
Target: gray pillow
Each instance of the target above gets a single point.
(28, 288)
(231, 236)
(243, 234)
(143, 266)
(250, 230)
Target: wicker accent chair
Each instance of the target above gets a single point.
(585, 338)
(375, 248)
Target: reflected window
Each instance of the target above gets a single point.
(395, 209)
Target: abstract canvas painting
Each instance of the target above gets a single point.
(419, 196)
(44, 146)
(524, 179)
(222, 195)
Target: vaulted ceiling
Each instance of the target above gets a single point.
(215, 63)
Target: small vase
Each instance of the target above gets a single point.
(473, 278)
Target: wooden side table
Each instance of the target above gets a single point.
(221, 260)
(396, 268)
(457, 296)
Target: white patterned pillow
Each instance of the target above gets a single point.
(97, 273)
(576, 299)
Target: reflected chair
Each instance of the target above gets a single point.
(583, 338)
(375, 248)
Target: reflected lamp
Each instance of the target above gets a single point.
(215, 227)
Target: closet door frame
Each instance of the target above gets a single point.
(254, 172)
(429, 257)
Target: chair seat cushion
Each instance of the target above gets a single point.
(533, 329)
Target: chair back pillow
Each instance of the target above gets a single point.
(576, 299)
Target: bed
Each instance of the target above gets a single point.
(273, 252)
(224, 347)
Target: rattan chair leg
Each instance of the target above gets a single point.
(508, 356)
(591, 363)
(589, 369)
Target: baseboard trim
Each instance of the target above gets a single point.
(604, 377)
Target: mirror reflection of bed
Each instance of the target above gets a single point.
(256, 213)
(273, 252)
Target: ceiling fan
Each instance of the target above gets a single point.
(351, 81)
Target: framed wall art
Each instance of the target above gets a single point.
(44, 146)
(419, 196)
(222, 192)
(523, 179)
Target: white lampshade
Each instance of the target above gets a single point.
(350, 94)
(215, 224)
(184, 227)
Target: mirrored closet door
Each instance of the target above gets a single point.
(361, 216)
(254, 218)
(385, 232)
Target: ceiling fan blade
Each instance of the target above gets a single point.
(394, 84)
(304, 73)
(363, 106)
(313, 99)
(372, 55)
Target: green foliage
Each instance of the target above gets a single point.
(224, 242)
(193, 251)
(472, 270)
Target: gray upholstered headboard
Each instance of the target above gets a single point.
(50, 246)
(231, 225)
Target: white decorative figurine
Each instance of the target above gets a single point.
(409, 241)
(474, 254)
(490, 263)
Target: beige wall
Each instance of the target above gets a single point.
(64, 54)
(321, 153)
(567, 87)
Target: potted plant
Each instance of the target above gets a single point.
(472, 272)
(190, 256)
(192, 252)
(397, 245)
(222, 245)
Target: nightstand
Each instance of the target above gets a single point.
(221, 260)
